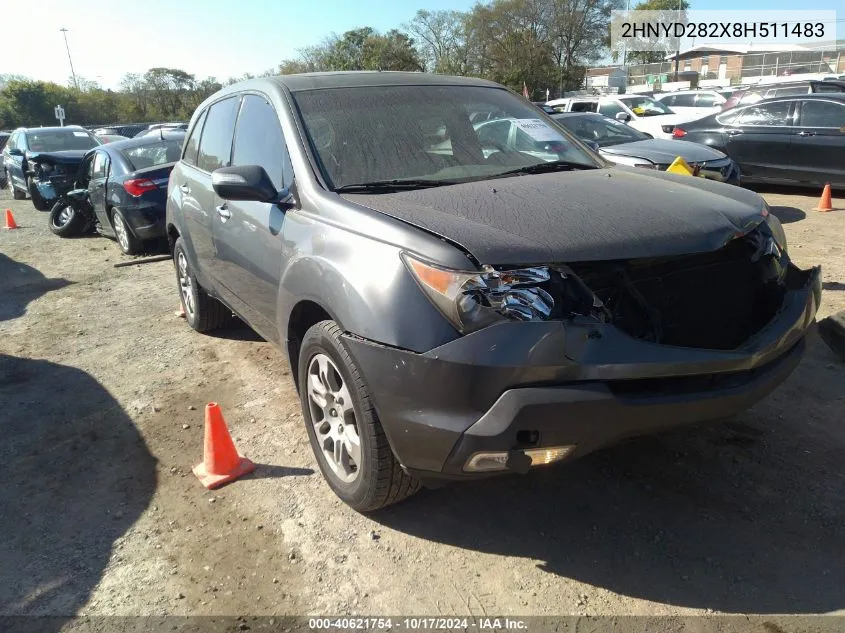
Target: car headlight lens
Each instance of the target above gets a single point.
(472, 300)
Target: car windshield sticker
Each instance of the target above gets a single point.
(80, 134)
(538, 130)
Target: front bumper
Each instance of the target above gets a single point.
(515, 386)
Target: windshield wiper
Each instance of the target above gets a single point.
(394, 185)
(544, 168)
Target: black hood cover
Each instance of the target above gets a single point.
(602, 214)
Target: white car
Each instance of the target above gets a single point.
(697, 103)
(641, 112)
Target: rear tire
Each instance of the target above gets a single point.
(65, 221)
(203, 312)
(328, 376)
(128, 242)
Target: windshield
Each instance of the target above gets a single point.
(59, 140)
(430, 134)
(151, 154)
(645, 106)
(600, 129)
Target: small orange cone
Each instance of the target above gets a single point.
(10, 220)
(825, 202)
(221, 461)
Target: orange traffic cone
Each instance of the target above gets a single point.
(10, 220)
(825, 202)
(221, 461)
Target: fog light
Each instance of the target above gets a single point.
(543, 456)
(495, 461)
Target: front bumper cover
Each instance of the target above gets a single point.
(573, 382)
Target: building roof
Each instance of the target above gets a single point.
(740, 49)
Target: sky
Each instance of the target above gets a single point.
(108, 39)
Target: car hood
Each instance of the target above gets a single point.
(602, 214)
(663, 152)
(65, 157)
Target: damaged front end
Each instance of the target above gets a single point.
(51, 175)
(715, 300)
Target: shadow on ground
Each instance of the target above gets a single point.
(19, 285)
(745, 516)
(788, 215)
(76, 473)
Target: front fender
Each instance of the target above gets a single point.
(361, 282)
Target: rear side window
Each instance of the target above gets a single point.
(216, 142)
(611, 109)
(684, 101)
(706, 101)
(766, 114)
(101, 165)
(12, 143)
(259, 139)
(192, 145)
(822, 114)
(584, 106)
(152, 154)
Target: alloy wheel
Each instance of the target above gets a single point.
(333, 417)
(121, 231)
(65, 216)
(186, 286)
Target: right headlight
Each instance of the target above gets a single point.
(471, 300)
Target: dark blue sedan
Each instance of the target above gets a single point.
(127, 187)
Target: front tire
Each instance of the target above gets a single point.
(129, 244)
(64, 220)
(17, 194)
(203, 312)
(38, 200)
(345, 433)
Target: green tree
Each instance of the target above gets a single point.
(441, 40)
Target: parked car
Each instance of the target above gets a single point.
(110, 138)
(694, 103)
(753, 94)
(791, 140)
(4, 136)
(623, 145)
(157, 127)
(450, 315)
(641, 112)
(126, 185)
(128, 130)
(42, 161)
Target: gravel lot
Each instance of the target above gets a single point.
(101, 397)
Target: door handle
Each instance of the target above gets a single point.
(185, 188)
(803, 133)
(734, 132)
(223, 212)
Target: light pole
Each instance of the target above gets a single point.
(678, 51)
(73, 74)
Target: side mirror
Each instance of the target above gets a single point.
(15, 152)
(622, 117)
(244, 182)
(591, 144)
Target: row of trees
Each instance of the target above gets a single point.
(160, 94)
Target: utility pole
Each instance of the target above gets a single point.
(72, 72)
(678, 52)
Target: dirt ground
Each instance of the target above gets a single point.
(102, 392)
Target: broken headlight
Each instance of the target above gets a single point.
(471, 300)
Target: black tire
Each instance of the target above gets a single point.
(126, 239)
(17, 194)
(208, 313)
(380, 480)
(38, 200)
(70, 225)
